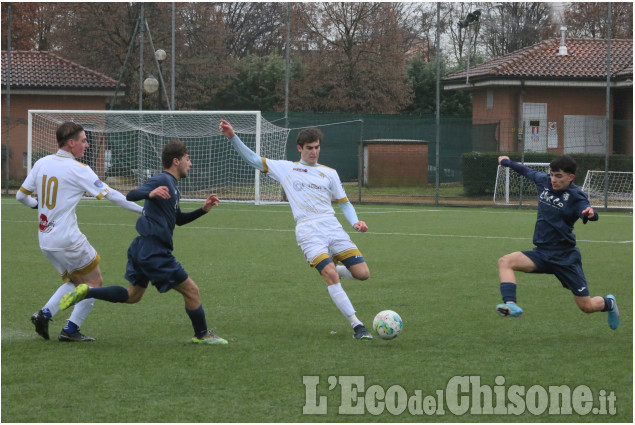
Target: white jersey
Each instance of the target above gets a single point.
(309, 188)
(60, 182)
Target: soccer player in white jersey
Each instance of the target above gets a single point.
(60, 182)
(310, 188)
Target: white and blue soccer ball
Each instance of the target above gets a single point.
(387, 324)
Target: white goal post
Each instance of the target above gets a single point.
(125, 149)
(620, 189)
(511, 187)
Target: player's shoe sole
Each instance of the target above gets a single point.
(73, 297)
(361, 333)
(509, 310)
(41, 323)
(209, 338)
(614, 314)
(74, 337)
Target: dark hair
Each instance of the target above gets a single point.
(173, 149)
(68, 130)
(563, 163)
(309, 135)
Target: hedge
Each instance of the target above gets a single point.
(479, 169)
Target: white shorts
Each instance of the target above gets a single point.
(324, 238)
(81, 259)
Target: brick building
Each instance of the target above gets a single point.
(551, 97)
(43, 80)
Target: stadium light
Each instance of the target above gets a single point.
(150, 85)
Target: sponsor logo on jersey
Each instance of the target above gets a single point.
(98, 183)
(302, 170)
(547, 198)
(45, 226)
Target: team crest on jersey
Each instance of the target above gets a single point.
(98, 183)
(566, 196)
(322, 175)
(45, 226)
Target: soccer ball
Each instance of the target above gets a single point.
(387, 324)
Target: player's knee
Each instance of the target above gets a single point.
(361, 274)
(504, 262)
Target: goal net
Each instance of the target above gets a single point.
(620, 189)
(125, 149)
(511, 188)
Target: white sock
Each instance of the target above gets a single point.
(53, 304)
(81, 311)
(343, 303)
(344, 272)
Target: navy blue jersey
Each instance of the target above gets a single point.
(161, 215)
(558, 210)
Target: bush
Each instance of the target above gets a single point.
(479, 169)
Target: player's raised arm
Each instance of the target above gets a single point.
(247, 154)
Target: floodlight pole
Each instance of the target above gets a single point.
(141, 20)
(8, 123)
(608, 107)
(173, 51)
(438, 105)
(286, 69)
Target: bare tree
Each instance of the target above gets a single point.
(353, 58)
(254, 28)
(590, 20)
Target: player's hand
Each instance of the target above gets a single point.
(360, 226)
(500, 158)
(227, 129)
(587, 214)
(211, 201)
(162, 192)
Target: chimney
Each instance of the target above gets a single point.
(562, 50)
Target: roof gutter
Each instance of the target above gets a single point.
(48, 92)
(536, 83)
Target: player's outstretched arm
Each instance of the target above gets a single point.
(247, 154)
(117, 198)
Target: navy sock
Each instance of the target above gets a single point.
(608, 304)
(198, 320)
(114, 294)
(508, 291)
(70, 327)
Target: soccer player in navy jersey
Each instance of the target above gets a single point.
(150, 256)
(560, 204)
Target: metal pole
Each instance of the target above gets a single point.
(438, 109)
(142, 19)
(123, 67)
(173, 50)
(608, 108)
(8, 122)
(162, 87)
(286, 70)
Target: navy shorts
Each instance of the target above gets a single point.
(565, 264)
(151, 261)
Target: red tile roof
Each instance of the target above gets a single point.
(586, 60)
(46, 70)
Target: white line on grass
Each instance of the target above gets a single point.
(429, 235)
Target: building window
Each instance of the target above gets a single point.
(490, 99)
(25, 157)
